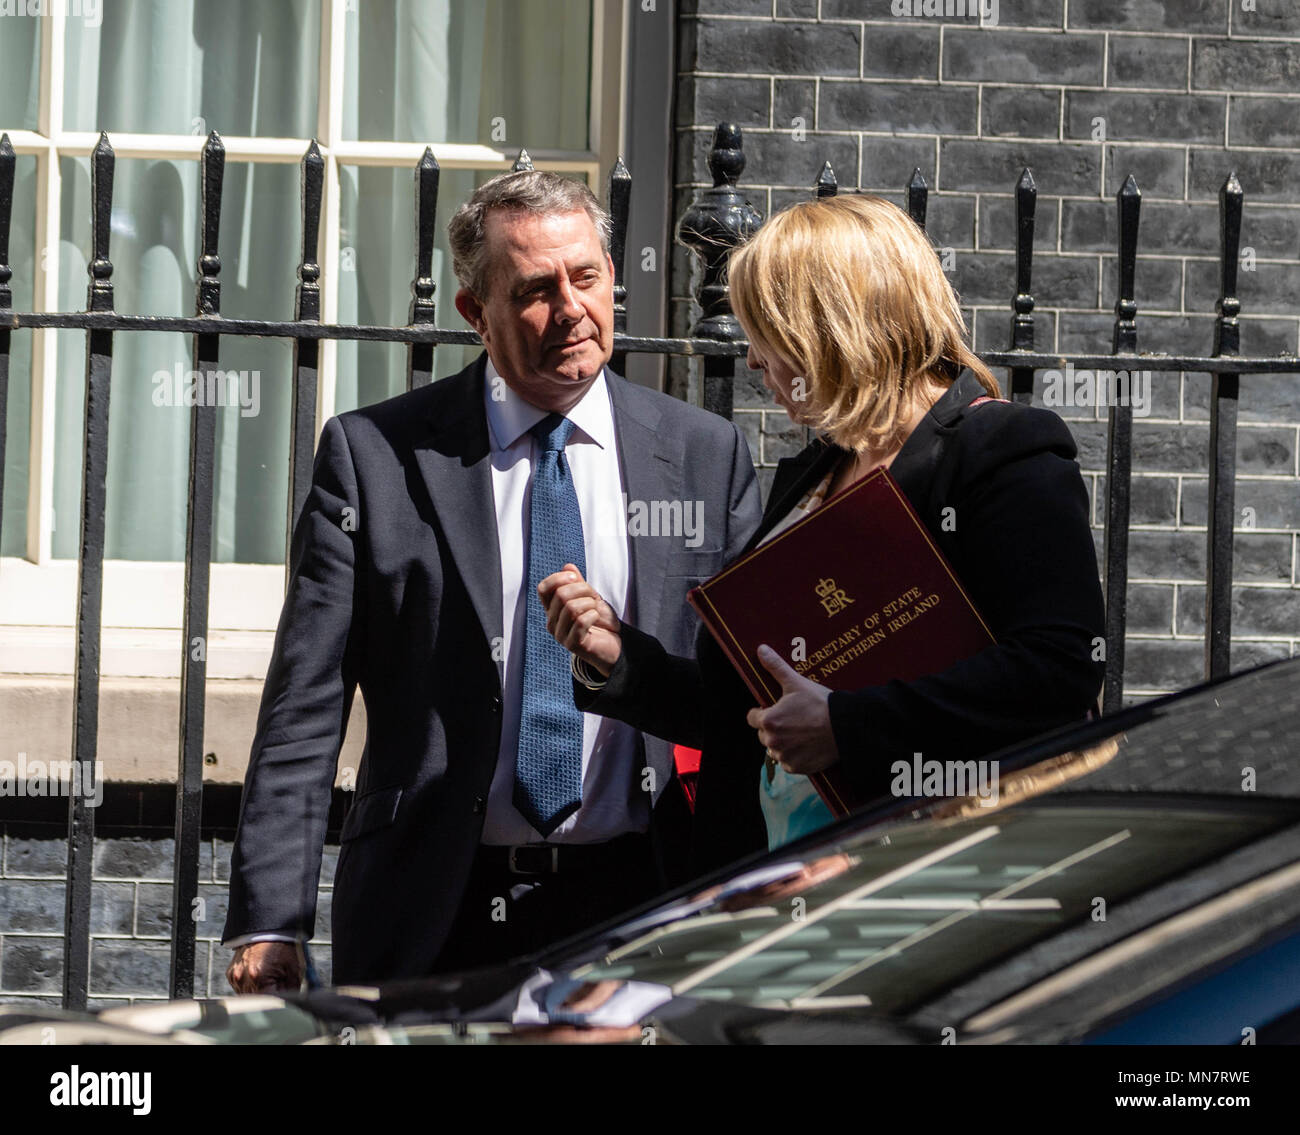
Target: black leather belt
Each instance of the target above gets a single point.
(563, 858)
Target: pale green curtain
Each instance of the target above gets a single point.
(416, 70)
(22, 258)
(185, 66)
(20, 53)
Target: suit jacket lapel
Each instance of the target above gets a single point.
(649, 474)
(456, 464)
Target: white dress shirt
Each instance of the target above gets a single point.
(612, 801)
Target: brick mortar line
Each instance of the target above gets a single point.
(924, 23)
(1105, 88)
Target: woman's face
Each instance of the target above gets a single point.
(788, 390)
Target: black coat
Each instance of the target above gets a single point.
(1023, 548)
(395, 587)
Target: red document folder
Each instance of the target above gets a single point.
(853, 595)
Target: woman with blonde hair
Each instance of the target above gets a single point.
(860, 337)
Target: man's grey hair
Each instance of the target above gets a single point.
(539, 192)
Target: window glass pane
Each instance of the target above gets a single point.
(241, 67)
(154, 249)
(22, 259)
(498, 72)
(20, 68)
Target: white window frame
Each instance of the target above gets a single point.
(143, 601)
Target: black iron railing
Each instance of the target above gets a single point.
(719, 219)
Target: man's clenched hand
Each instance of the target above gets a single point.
(266, 967)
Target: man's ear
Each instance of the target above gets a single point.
(471, 311)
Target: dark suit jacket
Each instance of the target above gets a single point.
(395, 586)
(1022, 546)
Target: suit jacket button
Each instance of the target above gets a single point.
(496, 703)
(479, 805)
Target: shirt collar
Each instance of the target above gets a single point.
(510, 416)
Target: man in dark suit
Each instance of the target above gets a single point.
(492, 816)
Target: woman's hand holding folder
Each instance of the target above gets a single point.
(796, 731)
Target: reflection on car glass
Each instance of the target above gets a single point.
(887, 921)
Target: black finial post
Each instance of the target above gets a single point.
(419, 365)
(8, 163)
(918, 194)
(212, 173)
(1119, 454)
(1022, 321)
(1224, 391)
(719, 220)
(826, 185)
(7, 166)
(198, 572)
(306, 351)
(1227, 328)
(90, 590)
(1129, 201)
(620, 200)
(313, 179)
(99, 295)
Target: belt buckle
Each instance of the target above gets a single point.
(513, 862)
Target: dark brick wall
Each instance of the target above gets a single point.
(130, 920)
(1187, 91)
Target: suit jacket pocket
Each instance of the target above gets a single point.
(376, 808)
(694, 563)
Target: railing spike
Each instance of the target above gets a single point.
(918, 194)
(826, 185)
(419, 361)
(212, 169)
(8, 163)
(522, 162)
(619, 198)
(1119, 454)
(306, 352)
(1022, 319)
(313, 181)
(99, 296)
(1224, 394)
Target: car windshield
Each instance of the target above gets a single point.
(888, 919)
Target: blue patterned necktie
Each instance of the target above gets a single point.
(548, 768)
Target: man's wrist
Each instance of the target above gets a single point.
(259, 936)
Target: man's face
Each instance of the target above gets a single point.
(548, 319)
